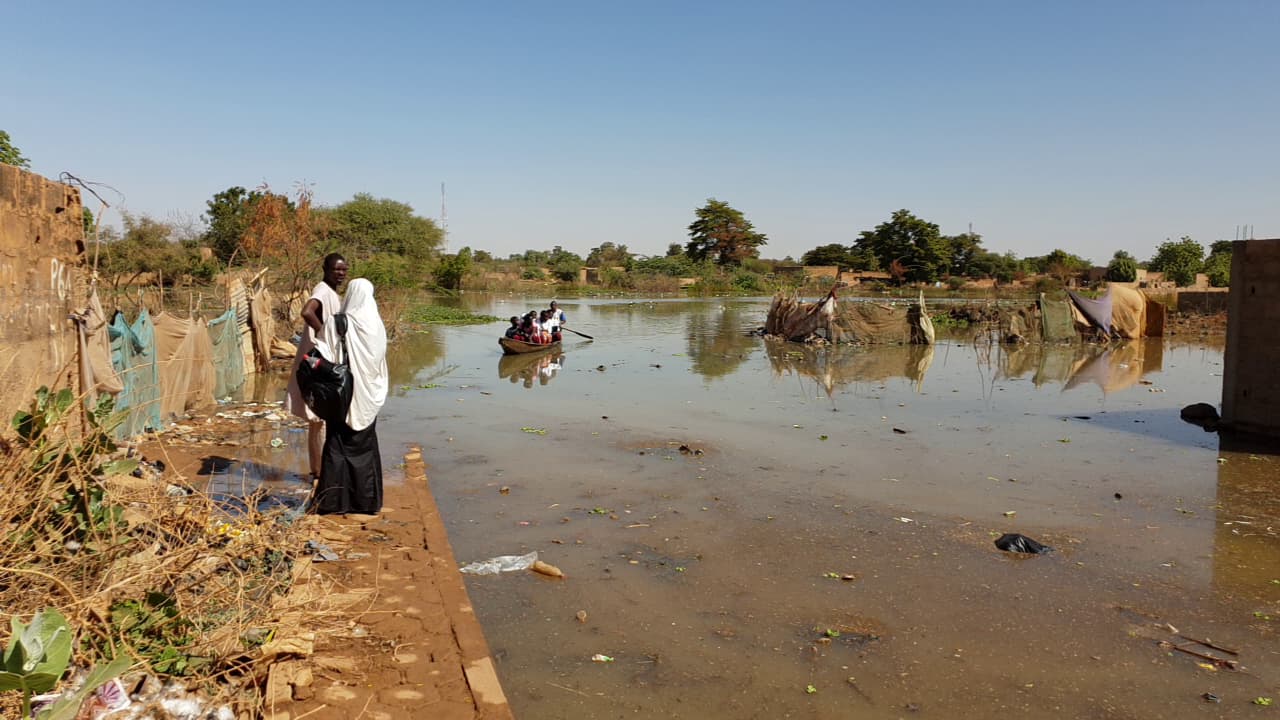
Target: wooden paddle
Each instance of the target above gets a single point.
(575, 332)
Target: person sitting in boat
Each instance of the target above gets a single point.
(529, 330)
(513, 332)
(557, 314)
(551, 325)
(550, 333)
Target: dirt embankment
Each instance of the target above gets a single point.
(377, 624)
(199, 565)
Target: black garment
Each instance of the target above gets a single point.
(350, 472)
(513, 331)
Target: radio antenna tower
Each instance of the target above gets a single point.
(444, 219)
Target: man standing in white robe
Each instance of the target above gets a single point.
(323, 304)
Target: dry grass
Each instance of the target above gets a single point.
(175, 579)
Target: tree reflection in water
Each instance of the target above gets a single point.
(718, 339)
(411, 353)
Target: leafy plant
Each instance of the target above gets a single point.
(155, 628)
(37, 656)
(69, 464)
(68, 707)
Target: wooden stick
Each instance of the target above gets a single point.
(1206, 643)
(562, 687)
(1220, 662)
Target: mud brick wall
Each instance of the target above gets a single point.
(41, 246)
(1204, 302)
(1251, 373)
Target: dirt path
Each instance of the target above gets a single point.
(382, 629)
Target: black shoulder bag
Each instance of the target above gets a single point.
(326, 387)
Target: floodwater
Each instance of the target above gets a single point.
(765, 530)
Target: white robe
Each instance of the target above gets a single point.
(366, 355)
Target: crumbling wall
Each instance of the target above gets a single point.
(41, 247)
(1250, 384)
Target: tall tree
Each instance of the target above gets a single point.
(1122, 268)
(832, 254)
(609, 255)
(1218, 265)
(365, 225)
(913, 249)
(227, 215)
(564, 264)
(1179, 260)
(724, 234)
(993, 265)
(961, 251)
(10, 154)
(285, 234)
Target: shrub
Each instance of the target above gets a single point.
(1045, 284)
(747, 281)
(615, 279)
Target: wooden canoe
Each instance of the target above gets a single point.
(520, 347)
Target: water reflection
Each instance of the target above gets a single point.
(1111, 367)
(1246, 558)
(718, 341)
(524, 369)
(412, 352)
(834, 366)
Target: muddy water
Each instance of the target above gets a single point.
(821, 547)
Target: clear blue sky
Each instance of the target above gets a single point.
(1089, 126)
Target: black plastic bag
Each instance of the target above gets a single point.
(1013, 542)
(326, 387)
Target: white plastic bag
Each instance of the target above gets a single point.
(501, 564)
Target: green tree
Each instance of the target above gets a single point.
(86, 219)
(670, 265)
(723, 234)
(993, 265)
(1218, 265)
(675, 249)
(147, 246)
(1179, 260)
(1122, 268)
(227, 215)
(832, 254)
(532, 257)
(564, 264)
(453, 268)
(913, 249)
(609, 255)
(1060, 264)
(365, 225)
(962, 249)
(10, 154)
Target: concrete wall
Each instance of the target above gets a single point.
(41, 246)
(1250, 383)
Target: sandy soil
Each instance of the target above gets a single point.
(381, 629)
